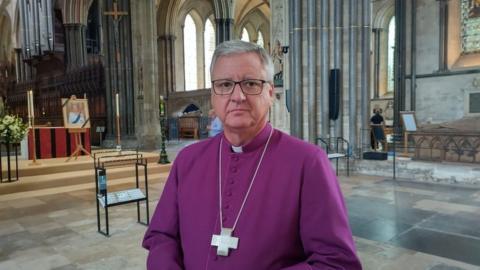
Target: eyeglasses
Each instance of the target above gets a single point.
(249, 87)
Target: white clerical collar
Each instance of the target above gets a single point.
(237, 149)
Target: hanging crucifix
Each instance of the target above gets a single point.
(116, 14)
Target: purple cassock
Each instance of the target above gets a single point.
(294, 217)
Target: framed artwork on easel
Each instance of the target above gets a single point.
(77, 120)
(409, 125)
(75, 113)
(409, 122)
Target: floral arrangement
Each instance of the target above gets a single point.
(12, 129)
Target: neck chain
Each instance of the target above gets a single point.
(225, 241)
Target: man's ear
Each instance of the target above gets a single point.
(271, 91)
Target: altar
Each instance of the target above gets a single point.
(55, 142)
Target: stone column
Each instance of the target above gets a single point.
(337, 60)
(224, 29)
(145, 70)
(324, 46)
(296, 122)
(377, 32)
(75, 45)
(166, 50)
(443, 35)
(316, 32)
(352, 72)
(312, 70)
(366, 32)
(400, 60)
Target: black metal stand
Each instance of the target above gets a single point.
(336, 148)
(9, 169)
(107, 199)
(163, 154)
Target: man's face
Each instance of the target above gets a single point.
(237, 110)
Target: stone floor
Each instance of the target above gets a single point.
(397, 225)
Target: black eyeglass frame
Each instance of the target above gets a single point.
(239, 83)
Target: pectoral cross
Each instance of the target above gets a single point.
(224, 241)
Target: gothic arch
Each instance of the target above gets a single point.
(253, 21)
(383, 15)
(167, 17)
(72, 14)
(250, 30)
(223, 9)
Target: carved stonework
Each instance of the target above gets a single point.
(458, 141)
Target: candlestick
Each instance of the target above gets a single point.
(31, 111)
(117, 106)
(28, 105)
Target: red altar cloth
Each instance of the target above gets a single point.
(54, 142)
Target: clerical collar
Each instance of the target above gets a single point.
(253, 145)
(237, 149)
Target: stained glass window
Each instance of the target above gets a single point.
(470, 26)
(190, 53)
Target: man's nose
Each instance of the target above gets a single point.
(237, 93)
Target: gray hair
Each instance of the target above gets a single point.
(238, 46)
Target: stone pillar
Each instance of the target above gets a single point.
(166, 55)
(400, 60)
(443, 35)
(75, 45)
(312, 70)
(377, 32)
(366, 32)
(147, 116)
(337, 60)
(295, 25)
(352, 72)
(324, 45)
(316, 46)
(224, 29)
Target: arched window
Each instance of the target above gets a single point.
(260, 40)
(245, 36)
(209, 47)
(391, 55)
(190, 53)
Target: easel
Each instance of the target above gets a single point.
(78, 142)
(409, 125)
(74, 126)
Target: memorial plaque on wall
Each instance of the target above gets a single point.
(474, 103)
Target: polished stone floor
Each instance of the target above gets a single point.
(397, 225)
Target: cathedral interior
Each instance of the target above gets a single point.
(142, 69)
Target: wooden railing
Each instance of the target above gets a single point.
(87, 81)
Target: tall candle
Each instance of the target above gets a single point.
(117, 105)
(28, 105)
(31, 112)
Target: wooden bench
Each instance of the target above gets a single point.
(336, 148)
(188, 127)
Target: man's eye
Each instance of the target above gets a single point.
(251, 83)
(224, 84)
